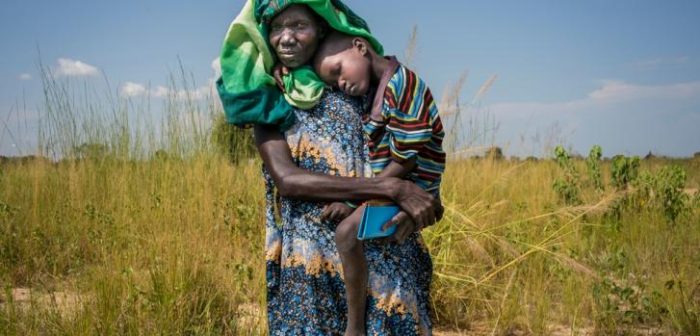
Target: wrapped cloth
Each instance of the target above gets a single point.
(246, 87)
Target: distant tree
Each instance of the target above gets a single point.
(90, 151)
(234, 142)
(649, 156)
(161, 155)
(20, 160)
(494, 153)
(593, 165)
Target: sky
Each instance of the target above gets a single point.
(623, 74)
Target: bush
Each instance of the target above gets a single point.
(234, 142)
(593, 164)
(568, 186)
(494, 153)
(624, 170)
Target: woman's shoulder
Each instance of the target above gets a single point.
(335, 111)
(337, 101)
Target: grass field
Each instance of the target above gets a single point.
(136, 233)
(174, 246)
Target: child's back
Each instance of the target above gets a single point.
(404, 124)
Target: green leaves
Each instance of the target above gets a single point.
(567, 187)
(624, 171)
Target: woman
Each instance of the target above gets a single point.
(322, 157)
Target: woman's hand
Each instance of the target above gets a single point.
(404, 227)
(277, 72)
(421, 206)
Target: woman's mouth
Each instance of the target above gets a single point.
(287, 52)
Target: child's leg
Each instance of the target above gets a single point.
(355, 270)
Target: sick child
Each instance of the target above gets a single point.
(404, 135)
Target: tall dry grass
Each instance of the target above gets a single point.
(159, 233)
(173, 246)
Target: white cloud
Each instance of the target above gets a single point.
(160, 92)
(199, 93)
(216, 66)
(656, 62)
(620, 116)
(70, 67)
(25, 76)
(131, 89)
(617, 91)
(610, 93)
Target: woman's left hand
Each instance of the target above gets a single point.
(278, 71)
(404, 227)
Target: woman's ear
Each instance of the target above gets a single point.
(322, 28)
(321, 31)
(360, 45)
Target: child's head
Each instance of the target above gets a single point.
(345, 62)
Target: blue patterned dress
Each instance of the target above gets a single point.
(305, 289)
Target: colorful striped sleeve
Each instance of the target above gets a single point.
(410, 110)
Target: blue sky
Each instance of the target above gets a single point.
(624, 74)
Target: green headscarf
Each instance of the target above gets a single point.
(247, 90)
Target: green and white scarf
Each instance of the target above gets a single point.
(247, 89)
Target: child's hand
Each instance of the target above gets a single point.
(278, 71)
(336, 211)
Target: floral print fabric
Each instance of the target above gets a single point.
(305, 289)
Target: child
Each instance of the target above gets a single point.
(404, 135)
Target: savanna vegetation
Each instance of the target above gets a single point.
(144, 228)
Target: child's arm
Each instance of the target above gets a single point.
(338, 211)
(396, 169)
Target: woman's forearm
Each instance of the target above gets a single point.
(295, 182)
(319, 187)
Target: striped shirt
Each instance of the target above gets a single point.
(404, 124)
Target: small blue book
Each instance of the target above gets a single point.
(374, 217)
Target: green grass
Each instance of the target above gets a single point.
(160, 233)
(175, 247)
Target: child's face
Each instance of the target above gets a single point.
(348, 70)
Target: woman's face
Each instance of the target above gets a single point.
(294, 35)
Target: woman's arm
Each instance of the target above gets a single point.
(295, 182)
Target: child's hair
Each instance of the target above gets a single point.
(334, 43)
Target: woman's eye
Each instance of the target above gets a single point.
(302, 25)
(276, 28)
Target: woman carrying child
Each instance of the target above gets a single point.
(315, 153)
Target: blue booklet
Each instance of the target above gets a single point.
(374, 217)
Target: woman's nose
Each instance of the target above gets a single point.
(287, 38)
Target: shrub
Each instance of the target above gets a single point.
(234, 142)
(566, 187)
(494, 153)
(593, 164)
(624, 170)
